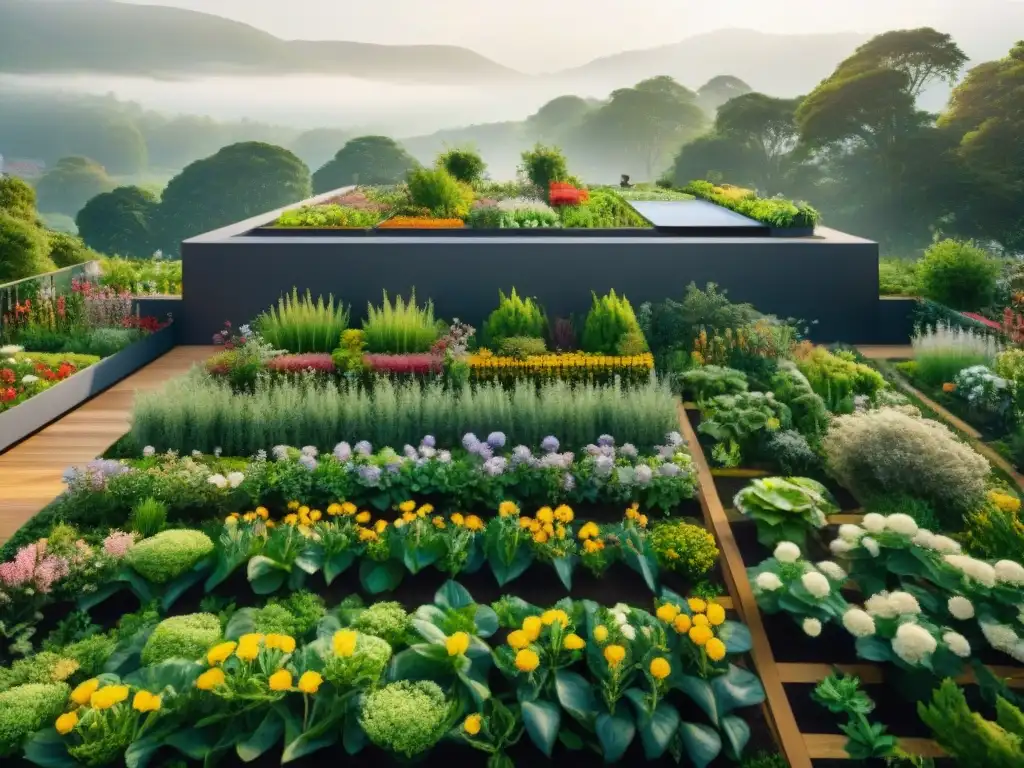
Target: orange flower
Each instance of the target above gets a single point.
(421, 222)
(949, 386)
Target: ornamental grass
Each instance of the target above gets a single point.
(298, 324)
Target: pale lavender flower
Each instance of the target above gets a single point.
(592, 450)
(495, 466)
(427, 451)
(310, 450)
(279, 452)
(606, 440)
(675, 439)
(149, 451)
(666, 451)
(521, 455)
(669, 470)
(549, 444)
(445, 457)
(470, 441)
(343, 452)
(643, 474)
(428, 441)
(568, 482)
(309, 462)
(369, 475)
(394, 466)
(483, 450)
(496, 440)
(118, 543)
(629, 451)
(410, 452)
(603, 466)
(364, 448)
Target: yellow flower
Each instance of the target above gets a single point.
(334, 509)
(407, 506)
(249, 646)
(614, 654)
(84, 692)
(363, 517)
(348, 509)
(284, 643)
(303, 510)
(700, 635)
(108, 696)
(525, 522)
(532, 626)
(145, 701)
(474, 523)
(210, 679)
(550, 617)
(518, 639)
(697, 605)
(667, 612)
(588, 531)
(559, 531)
(715, 649)
(457, 519)
(380, 526)
(507, 508)
(682, 623)
(345, 642)
(366, 534)
(220, 653)
(545, 515)
(262, 513)
(660, 668)
(66, 723)
(563, 513)
(471, 725)
(231, 519)
(408, 516)
(540, 537)
(293, 505)
(249, 517)
(590, 546)
(715, 614)
(573, 642)
(600, 633)
(315, 515)
(633, 512)
(641, 520)
(400, 523)
(527, 660)
(700, 620)
(310, 682)
(438, 522)
(457, 644)
(291, 519)
(425, 510)
(280, 680)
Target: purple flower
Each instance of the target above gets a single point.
(592, 450)
(666, 451)
(496, 440)
(445, 457)
(568, 482)
(669, 470)
(369, 475)
(410, 452)
(557, 460)
(483, 450)
(428, 441)
(309, 462)
(343, 452)
(469, 441)
(606, 440)
(643, 474)
(363, 448)
(629, 451)
(310, 450)
(549, 444)
(279, 452)
(428, 451)
(603, 465)
(521, 455)
(675, 439)
(394, 466)
(495, 466)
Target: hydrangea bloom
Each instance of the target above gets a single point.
(957, 643)
(901, 524)
(149, 451)
(913, 643)
(235, 479)
(342, 452)
(811, 627)
(832, 570)
(1009, 572)
(279, 452)
(310, 450)
(428, 441)
(496, 440)
(445, 457)
(643, 474)
(675, 439)
(307, 461)
(669, 470)
(369, 475)
(606, 440)
(363, 448)
(629, 451)
(816, 584)
(768, 581)
(469, 441)
(603, 466)
(973, 569)
(859, 623)
(873, 522)
(960, 608)
(495, 466)
(549, 444)
(521, 455)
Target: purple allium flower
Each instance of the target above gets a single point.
(675, 439)
(309, 462)
(496, 440)
(279, 452)
(669, 470)
(364, 448)
(483, 450)
(629, 451)
(606, 440)
(643, 474)
(428, 441)
(343, 452)
(445, 457)
(118, 543)
(469, 441)
(495, 466)
(521, 455)
(549, 443)
(568, 482)
(369, 475)
(149, 451)
(603, 466)
(410, 453)
(310, 450)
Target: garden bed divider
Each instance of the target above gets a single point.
(35, 413)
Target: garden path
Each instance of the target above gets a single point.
(31, 472)
(905, 352)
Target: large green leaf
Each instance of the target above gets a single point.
(422, 661)
(380, 577)
(265, 575)
(576, 696)
(542, 719)
(701, 743)
(194, 743)
(874, 648)
(416, 558)
(48, 749)
(700, 691)
(140, 751)
(657, 729)
(615, 732)
(353, 737)
(453, 595)
(735, 689)
(304, 745)
(266, 735)
(503, 571)
(92, 599)
(563, 567)
(177, 674)
(337, 564)
(224, 567)
(310, 560)
(126, 657)
(486, 621)
(242, 622)
(736, 637)
(737, 734)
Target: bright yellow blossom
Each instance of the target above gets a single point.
(590, 546)
(310, 682)
(220, 653)
(380, 526)
(471, 725)
(367, 534)
(474, 523)
(293, 505)
(284, 643)
(682, 623)
(573, 642)
(660, 668)
(532, 626)
(550, 617)
(457, 644)
(715, 649)
(84, 691)
(518, 639)
(407, 506)
(700, 635)
(344, 642)
(145, 701)
(564, 514)
(588, 531)
(210, 679)
(545, 515)
(527, 660)
(438, 522)
(715, 614)
(507, 508)
(363, 517)
(700, 620)
(457, 519)
(614, 654)
(348, 509)
(108, 696)
(667, 612)
(600, 633)
(697, 605)
(280, 680)
(66, 723)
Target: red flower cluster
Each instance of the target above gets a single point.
(6, 376)
(62, 371)
(562, 193)
(147, 324)
(1013, 326)
(7, 394)
(404, 364)
(318, 362)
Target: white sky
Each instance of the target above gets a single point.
(540, 35)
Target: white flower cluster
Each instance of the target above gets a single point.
(975, 570)
(1003, 638)
(960, 608)
(767, 582)
(984, 389)
(233, 480)
(913, 643)
(859, 623)
(890, 605)
(620, 612)
(853, 536)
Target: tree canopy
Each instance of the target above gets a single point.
(17, 198)
(718, 90)
(120, 222)
(24, 249)
(71, 183)
(365, 160)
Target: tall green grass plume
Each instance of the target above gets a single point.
(515, 316)
(400, 328)
(298, 324)
(148, 518)
(611, 322)
(440, 193)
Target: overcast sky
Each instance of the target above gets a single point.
(539, 35)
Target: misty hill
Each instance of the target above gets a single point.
(99, 36)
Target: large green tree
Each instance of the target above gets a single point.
(719, 90)
(17, 198)
(120, 222)
(365, 160)
(238, 182)
(24, 249)
(67, 186)
(553, 120)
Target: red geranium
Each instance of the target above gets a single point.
(562, 193)
(6, 376)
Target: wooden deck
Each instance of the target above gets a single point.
(31, 472)
(905, 352)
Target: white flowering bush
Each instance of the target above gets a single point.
(808, 592)
(984, 391)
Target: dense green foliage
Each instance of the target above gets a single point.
(70, 184)
(440, 193)
(543, 165)
(958, 274)
(401, 327)
(121, 222)
(464, 165)
(24, 249)
(364, 160)
(298, 324)
(610, 321)
(17, 198)
(515, 316)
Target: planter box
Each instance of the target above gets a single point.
(35, 413)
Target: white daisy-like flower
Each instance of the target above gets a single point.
(28, 378)
(901, 524)
(873, 522)
(850, 532)
(218, 480)
(148, 451)
(973, 569)
(832, 570)
(904, 603)
(628, 631)
(816, 584)
(960, 607)
(839, 546)
(235, 479)
(1009, 572)
(957, 644)
(812, 627)
(859, 623)
(881, 606)
(768, 581)
(871, 546)
(787, 552)
(913, 643)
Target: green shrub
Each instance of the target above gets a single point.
(515, 316)
(26, 709)
(740, 424)
(940, 353)
(169, 554)
(400, 328)
(56, 358)
(464, 165)
(522, 347)
(67, 250)
(765, 760)
(785, 508)
(295, 615)
(388, 621)
(182, 637)
(17, 198)
(611, 317)
(889, 451)
(670, 326)
(149, 517)
(302, 325)
(898, 277)
(91, 653)
(809, 413)
(485, 217)
(837, 377)
(102, 342)
(437, 190)
(967, 736)
(366, 664)
(24, 249)
(707, 381)
(543, 165)
(684, 548)
(43, 667)
(793, 453)
(995, 531)
(631, 344)
(407, 718)
(604, 210)
(958, 274)
(328, 216)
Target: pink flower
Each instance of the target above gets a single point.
(319, 362)
(118, 543)
(29, 569)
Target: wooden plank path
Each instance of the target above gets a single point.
(31, 472)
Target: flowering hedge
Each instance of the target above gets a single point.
(571, 366)
(23, 376)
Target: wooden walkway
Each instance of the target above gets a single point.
(31, 472)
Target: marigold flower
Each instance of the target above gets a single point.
(600, 633)
(508, 508)
(715, 649)
(471, 725)
(407, 506)
(700, 620)
(380, 526)
(66, 723)
(363, 517)
(291, 519)
(540, 537)
(280, 680)
(145, 701)
(550, 617)
(715, 614)
(949, 386)
(573, 642)
(667, 612)
(409, 517)
(457, 519)
(545, 515)
(474, 523)
(425, 510)
(532, 626)
(84, 691)
(210, 679)
(518, 639)
(564, 513)
(108, 696)
(525, 522)
(334, 509)
(588, 531)
(660, 668)
(457, 644)
(700, 635)
(527, 660)
(310, 682)
(248, 647)
(438, 522)
(591, 546)
(367, 534)
(284, 643)
(633, 512)
(344, 642)
(220, 653)
(348, 509)
(262, 512)
(697, 605)
(315, 515)
(614, 654)
(293, 505)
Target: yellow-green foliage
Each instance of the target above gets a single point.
(774, 212)
(438, 191)
(515, 316)
(838, 377)
(366, 664)
(995, 532)
(400, 328)
(407, 718)
(967, 736)
(169, 554)
(182, 637)
(604, 210)
(329, 217)
(685, 548)
(298, 324)
(610, 319)
(26, 709)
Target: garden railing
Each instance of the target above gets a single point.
(56, 282)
